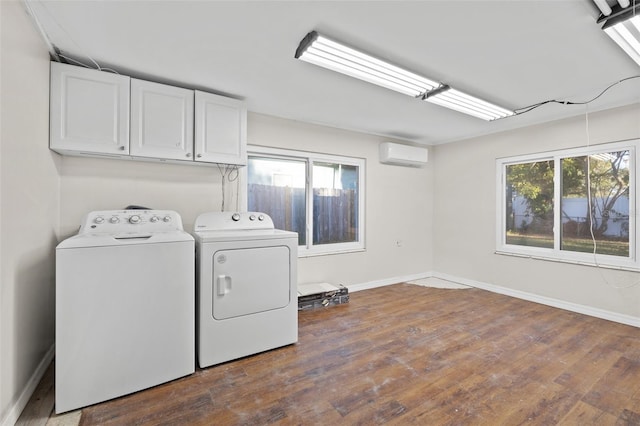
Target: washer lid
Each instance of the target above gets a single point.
(123, 239)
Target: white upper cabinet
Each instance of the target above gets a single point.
(99, 113)
(161, 121)
(89, 111)
(221, 129)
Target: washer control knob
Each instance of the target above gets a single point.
(252, 217)
(114, 219)
(134, 219)
(166, 219)
(154, 219)
(235, 217)
(98, 220)
(261, 217)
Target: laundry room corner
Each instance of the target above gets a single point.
(398, 210)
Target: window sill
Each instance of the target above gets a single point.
(307, 253)
(570, 261)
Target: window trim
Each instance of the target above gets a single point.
(310, 157)
(632, 262)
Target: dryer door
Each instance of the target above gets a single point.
(248, 281)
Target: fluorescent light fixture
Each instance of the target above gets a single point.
(627, 34)
(459, 101)
(322, 51)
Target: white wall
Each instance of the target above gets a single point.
(398, 204)
(464, 231)
(398, 199)
(29, 206)
(89, 184)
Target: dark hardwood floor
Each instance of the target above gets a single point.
(405, 354)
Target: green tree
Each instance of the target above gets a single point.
(609, 179)
(534, 182)
(608, 175)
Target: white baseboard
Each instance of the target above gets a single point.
(549, 301)
(556, 303)
(388, 281)
(16, 409)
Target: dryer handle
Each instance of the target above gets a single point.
(223, 284)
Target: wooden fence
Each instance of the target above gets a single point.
(335, 211)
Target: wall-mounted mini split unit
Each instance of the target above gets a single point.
(403, 155)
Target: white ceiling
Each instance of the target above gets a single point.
(513, 53)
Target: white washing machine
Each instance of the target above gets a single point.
(125, 306)
(246, 286)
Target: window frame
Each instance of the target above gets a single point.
(632, 262)
(310, 157)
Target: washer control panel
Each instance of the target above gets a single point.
(131, 221)
(223, 221)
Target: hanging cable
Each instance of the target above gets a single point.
(591, 213)
(238, 191)
(223, 173)
(59, 53)
(229, 173)
(523, 110)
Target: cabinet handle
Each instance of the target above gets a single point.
(121, 148)
(199, 156)
(188, 154)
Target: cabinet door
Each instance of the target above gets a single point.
(161, 121)
(89, 111)
(221, 129)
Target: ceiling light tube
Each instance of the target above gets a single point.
(322, 51)
(354, 69)
(626, 34)
(473, 102)
(461, 102)
(354, 72)
(603, 6)
(324, 44)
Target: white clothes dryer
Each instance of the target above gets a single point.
(246, 286)
(125, 306)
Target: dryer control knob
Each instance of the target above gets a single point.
(154, 219)
(167, 219)
(235, 217)
(261, 217)
(114, 219)
(98, 220)
(252, 217)
(134, 219)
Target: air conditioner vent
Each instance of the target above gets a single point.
(403, 155)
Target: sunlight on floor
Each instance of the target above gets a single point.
(437, 283)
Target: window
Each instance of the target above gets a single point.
(318, 196)
(573, 205)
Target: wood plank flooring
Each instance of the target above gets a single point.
(411, 355)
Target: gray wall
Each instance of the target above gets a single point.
(29, 206)
(465, 230)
